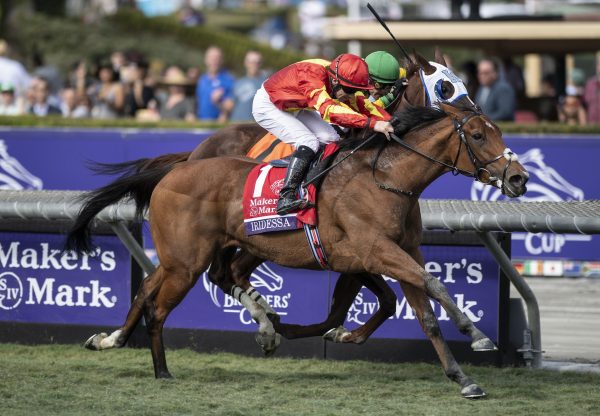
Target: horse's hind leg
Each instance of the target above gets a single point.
(118, 338)
(420, 302)
(387, 306)
(176, 283)
(346, 289)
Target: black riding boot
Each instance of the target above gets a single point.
(295, 173)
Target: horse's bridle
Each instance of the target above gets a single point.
(481, 173)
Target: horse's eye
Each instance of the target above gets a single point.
(477, 136)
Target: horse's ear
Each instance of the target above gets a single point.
(424, 64)
(439, 57)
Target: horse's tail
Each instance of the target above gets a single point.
(137, 181)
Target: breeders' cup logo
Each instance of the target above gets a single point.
(262, 278)
(11, 291)
(545, 184)
(13, 175)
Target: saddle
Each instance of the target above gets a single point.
(270, 148)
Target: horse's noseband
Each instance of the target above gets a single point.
(481, 173)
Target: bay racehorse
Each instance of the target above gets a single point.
(237, 140)
(198, 223)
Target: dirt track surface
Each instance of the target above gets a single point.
(570, 317)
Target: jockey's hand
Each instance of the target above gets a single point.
(384, 127)
(396, 90)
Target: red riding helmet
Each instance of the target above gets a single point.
(351, 71)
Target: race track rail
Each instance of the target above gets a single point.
(482, 217)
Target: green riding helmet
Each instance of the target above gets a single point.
(383, 67)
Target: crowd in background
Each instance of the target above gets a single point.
(124, 86)
(498, 86)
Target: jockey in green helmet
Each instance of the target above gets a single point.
(387, 77)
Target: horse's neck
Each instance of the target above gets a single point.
(404, 169)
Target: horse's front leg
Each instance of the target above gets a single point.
(436, 290)
(386, 258)
(387, 306)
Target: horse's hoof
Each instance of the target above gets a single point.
(268, 342)
(164, 375)
(472, 391)
(93, 342)
(338, 334)
(484, 344)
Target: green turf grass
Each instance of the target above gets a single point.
(69, 380)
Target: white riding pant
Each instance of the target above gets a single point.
(298, 128)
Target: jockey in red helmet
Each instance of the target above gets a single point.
(297, 103)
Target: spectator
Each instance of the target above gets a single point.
(138, 94)
(571, 110)
(79, 78)
(495, 96)
(118, 60)
(592, 95)
(214, 88)
(73, 104)
(107, 93)
(40, 94)
(577, 79)
(9, 104)
(50, 73)
(548, 101)
(177, 105)
(245, 88)
(12, 72)
(193, 74)
(513, 74)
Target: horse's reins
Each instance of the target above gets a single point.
(371, 137)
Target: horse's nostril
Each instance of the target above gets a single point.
(518, 180)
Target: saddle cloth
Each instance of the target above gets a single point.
(261, 192)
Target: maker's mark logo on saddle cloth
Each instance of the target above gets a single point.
(277, 186)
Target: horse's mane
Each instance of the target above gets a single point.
(409, 119)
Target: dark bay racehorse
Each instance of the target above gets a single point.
(237, 140)
(195, 223)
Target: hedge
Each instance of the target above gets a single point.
(53, 121)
